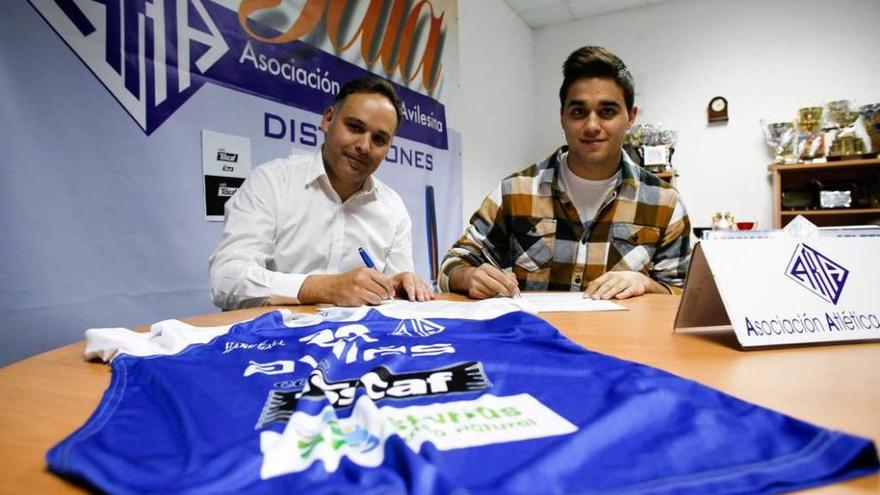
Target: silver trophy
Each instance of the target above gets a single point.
(668, 137)
(654, 144)
(781, 137)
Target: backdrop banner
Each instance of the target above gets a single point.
(105, 104)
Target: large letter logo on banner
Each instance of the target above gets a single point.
(143, 52)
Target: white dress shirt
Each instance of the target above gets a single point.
(286, 222)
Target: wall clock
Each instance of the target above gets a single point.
(718, 109)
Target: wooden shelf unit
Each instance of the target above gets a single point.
(864, 172)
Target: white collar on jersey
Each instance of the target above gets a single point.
(172, 336)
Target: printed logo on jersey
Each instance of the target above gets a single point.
(273, 368)
(337, 435)
(380, 383)
(154, 55)
(362, 436)
(344, 343)
(414, 351)
(417, 327)
(264, 345)
(817, 273)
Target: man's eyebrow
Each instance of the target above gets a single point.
(356, 121)
(602, 103)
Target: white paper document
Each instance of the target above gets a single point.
(226, 162)
(547, 302)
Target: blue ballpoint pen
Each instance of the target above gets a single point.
(366, 257)
(369, 262)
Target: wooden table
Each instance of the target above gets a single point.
(45, 398)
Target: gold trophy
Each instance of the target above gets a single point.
(811, 143)
(845, 143)
(809, 119)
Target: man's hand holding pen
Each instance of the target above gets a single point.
(353, 288)
(404, 283)
(363, 286)
(484, 278)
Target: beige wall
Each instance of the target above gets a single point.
(767, 57)
(495, 116)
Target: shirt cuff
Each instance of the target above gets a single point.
(671, 288)
(284, 287)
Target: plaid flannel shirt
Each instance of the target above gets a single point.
(529, 223)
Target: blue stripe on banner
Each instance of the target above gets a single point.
(76, 16)
(431, 223)
(113, 36)
(132, 8)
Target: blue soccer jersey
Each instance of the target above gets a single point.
(425, 398)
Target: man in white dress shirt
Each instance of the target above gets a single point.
(293, 229)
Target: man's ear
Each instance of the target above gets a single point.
(632, 116)
(327, 118)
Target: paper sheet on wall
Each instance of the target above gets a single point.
(547, 302)
(226, 161)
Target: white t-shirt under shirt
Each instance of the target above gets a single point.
(586, 195)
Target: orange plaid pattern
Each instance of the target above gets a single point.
(529, 224)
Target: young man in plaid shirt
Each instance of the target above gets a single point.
(586, 218)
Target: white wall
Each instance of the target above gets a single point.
(767, 57)
(496, 114)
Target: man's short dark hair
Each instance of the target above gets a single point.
(373, 85)
(595, 61)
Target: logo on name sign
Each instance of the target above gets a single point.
(817, 273)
